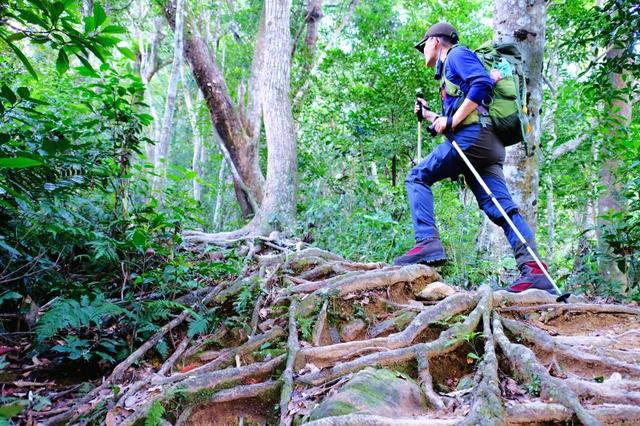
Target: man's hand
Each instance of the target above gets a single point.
(440, 125)
(422, 110)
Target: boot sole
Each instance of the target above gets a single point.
(434, 262)
(429, 262)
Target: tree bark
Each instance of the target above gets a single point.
(279, 204)
(523, 23)
(312, 18)
(619, 118)
(549, 125)
(162, 144)
(224, 116)
(192, 111)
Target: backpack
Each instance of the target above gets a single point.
(508, 108)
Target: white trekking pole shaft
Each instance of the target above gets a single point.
(504, 214)
(419, 153)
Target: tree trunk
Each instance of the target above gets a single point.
(549, 125)
(148, 66)
(162, 144)
(217, 217)
(312, 18)
(278, 208)
(192, 111)
(224, 116)
(618, 118)
(297, 99)
(523, 23)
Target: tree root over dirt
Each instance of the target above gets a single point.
(529, 359)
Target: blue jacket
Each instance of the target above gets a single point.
(464, 69)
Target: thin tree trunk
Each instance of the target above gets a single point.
(522, 23)
(162, 146)
(217, 217)
(312, 18)
(278, 207)
(322, 55)
(192, 111)
(149, 63)
(224, 116)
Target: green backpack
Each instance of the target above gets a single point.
(508, 109)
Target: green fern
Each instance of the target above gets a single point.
(68, 314)
(197, 325)
(154, 416)
(245, 300)
(161, 309)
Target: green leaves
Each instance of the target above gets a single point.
(62, 63)
(18, 163)
(8, 94)
(99, 15)
(21, 57)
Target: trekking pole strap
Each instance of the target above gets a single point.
(504, 213)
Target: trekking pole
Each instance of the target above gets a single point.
(563, 297)
(419, 95)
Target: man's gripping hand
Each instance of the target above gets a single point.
(421, 109)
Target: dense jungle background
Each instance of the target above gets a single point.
(152, 150)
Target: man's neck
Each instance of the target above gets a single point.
(444, 52)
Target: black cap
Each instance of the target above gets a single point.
(441, 29)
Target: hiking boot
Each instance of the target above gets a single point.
(531, 276)
(428, 252)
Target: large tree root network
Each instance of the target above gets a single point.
(319, 319)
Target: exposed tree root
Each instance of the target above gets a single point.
(616, 391)
(529, 368)
(429, 343)
(320, 324)
(369, 420)
(539, 412)
(576, 307)
(356, 281)
(448, 308)
(209, 381)
(487, 407)
(287, 377)
(447, 342)
(426, 382)
(224, 359)
(538, 337)
(529, 297)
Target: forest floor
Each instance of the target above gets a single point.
(321, 326)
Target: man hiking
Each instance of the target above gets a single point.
(464, 119)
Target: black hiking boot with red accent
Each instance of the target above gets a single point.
(428, 252)
(532, 277)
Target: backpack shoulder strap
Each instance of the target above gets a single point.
(450, 88)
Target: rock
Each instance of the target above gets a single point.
(373, 391)
(351, 331)
(435, 291)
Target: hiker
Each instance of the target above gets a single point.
(464, 119)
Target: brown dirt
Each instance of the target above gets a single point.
(255, 411)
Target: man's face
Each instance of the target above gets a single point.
(431, 48)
